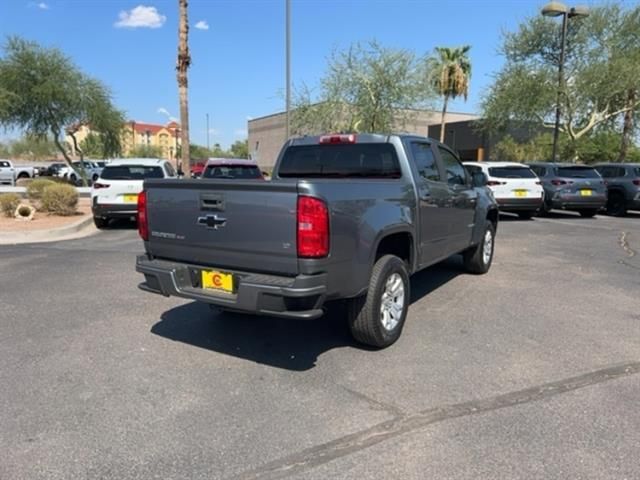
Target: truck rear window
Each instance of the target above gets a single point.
(511, 172)
(131, 172)
(361, 160)
(578, 172)
(246, 172)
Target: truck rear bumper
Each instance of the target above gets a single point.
(288, 297)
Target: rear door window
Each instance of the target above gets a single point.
(425, 161)
(511, 172)
(131, 172)
(578, 172)
(539, 171)
(358, 160)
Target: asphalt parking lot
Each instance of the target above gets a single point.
(532, 371)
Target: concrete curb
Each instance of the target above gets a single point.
(81, 228)
(83, 192)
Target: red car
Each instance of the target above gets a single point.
(197, 168)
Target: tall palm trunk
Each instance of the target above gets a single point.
(184, 59)
(444, 113)
(627, 129)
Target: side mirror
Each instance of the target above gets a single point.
(479, 179)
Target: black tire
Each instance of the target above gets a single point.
(95, 177)
(365, 313)
(100, 222)
(23, 175)
(73, 178)
(616, 204)
(588, 213)
(474, 258)
(545, 209)
(526, 215)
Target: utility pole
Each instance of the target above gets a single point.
(288, 65)
(207, 131)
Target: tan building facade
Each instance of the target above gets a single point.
(267, 134)
(139, 134)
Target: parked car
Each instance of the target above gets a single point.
(345, 217)
(232, 168)
(623, 186)
(10, 173)
(115, 193)
(197, 168)
(53, 169)
(572, 187)
(514, 185)
(74, 173)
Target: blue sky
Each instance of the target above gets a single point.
(238, 61)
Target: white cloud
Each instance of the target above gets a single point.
(140, 17)
(42, 6)
(249, 117)
(240, 132)
(202, 25)
(164, 111)
(214, 132)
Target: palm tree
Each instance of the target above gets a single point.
(184, 60)
(450, 72)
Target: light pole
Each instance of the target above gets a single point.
(556, 9)
(207, 131)
(288, 62)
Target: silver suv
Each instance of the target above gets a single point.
(623, 184)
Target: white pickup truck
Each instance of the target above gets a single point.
(9, 172)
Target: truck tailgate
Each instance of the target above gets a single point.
(243, 225)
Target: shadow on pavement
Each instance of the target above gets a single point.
(122, 224)
(282, 343)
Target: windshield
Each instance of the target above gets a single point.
(511, 172)
(367, 160)
(578, 172)
(131, 172)
(246, 172)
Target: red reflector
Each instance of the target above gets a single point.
(143, 221)
(494, 183)
(313, 228)
(557, 181)
(100, 185)
(637, 182)
(336, 139)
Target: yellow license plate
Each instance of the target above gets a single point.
(586, 193)
(520, 193)
(217, 280)
(130, 198)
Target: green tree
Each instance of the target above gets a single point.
(240, 149)
(93, 146)
(599, 66)
(5, 150)
(33, 148)
(146, 151)
(449, 72)
(199, 152)
(365, 89)
(44, 93)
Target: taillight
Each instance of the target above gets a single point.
(557, 181)
(337, 139)
(313, 228)
(637, 182)
(100, 185)
(143, 220)
(495, 183)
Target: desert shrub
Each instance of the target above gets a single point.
(36, 188)
(60, 199)
(8, 203)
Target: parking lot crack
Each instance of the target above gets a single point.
(624, 243)
(341, 447)
(393, 410)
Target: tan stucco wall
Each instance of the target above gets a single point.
(267, 134)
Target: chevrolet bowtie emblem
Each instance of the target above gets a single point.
(212, 221)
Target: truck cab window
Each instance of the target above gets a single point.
(455, 172)
(425, 161)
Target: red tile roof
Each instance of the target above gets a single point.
(152, 127)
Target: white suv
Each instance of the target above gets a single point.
(515, 186)
(115, 193)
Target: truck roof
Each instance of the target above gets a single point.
(136, 161)
(230, 161)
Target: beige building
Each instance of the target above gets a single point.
(267, 134)
(138, 134)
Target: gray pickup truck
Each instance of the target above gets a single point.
(346, 217)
